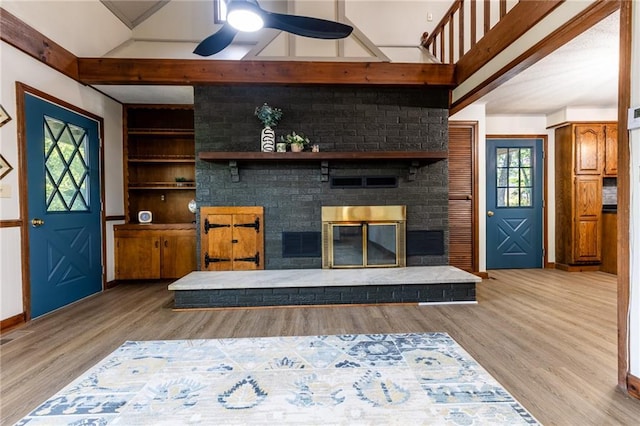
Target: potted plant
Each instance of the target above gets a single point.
(296, 141)
(181, 181)
(269, 117)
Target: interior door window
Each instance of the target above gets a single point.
(66, 166)
(514, 171)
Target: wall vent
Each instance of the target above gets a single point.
(425, 243)
(301, 244)
(364, 182)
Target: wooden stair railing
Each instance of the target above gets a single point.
(448, 41)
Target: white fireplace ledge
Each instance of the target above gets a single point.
(283, 278)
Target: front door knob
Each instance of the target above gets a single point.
(35, 222)
(489, 213)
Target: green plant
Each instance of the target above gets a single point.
(269, 116)
(181, 179)
(295, 138)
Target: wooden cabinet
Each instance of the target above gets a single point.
(154, 251)
(159, 176)
(611, 150)
(588, 144)
(609, 242)
(232, 238)
(582, 157)
(587, 238)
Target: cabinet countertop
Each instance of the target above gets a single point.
(153, 226)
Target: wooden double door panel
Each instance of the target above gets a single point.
(155, 252)
(232, 238)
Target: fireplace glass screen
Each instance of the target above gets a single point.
(363, 236)
(362, 245)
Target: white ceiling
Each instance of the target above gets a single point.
(583, 73)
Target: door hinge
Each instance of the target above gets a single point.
(208, 225)
(208, 260)
(255, 225)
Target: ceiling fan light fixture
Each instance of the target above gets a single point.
(245, 19)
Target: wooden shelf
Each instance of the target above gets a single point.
(414, 158)
(161, 185)
(167, 159)
(161, 132)
(428, 156)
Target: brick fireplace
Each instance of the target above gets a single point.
(338, 119)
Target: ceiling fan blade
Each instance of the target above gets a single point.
(217, 41)
(306, 26)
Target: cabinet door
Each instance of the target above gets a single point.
(589, 146)
(588, 215)
(217, 249)
(137, 257)
(247, 242)
(178, 255)
(611, 150)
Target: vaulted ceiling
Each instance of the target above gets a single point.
(583, 73)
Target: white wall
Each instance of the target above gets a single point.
(634, 238)
(18, 67)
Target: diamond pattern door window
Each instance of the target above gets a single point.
(514, 171)
(66, 166)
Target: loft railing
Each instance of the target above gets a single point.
(464, 24)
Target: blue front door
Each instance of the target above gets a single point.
(514, 203)
(64, 205)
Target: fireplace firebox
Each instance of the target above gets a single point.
(363, 236)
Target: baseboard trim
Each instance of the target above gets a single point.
(469, 302)
(111, 284)
(12, 322)
(577, 268)
(633, 386)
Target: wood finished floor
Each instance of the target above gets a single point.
(548, 336)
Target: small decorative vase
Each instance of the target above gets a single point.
(268, 139)
(296, 147)
(281, 147)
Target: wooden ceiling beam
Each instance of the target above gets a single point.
(179, 72)
(187, 72)
(21, 36)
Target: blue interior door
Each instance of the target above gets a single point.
(64, 205)
(514, 203)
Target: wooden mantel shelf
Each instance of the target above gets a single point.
(324, 156)
(415, 158)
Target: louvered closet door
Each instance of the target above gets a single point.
(461, 194)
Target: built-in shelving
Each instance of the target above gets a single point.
(415, 159)
(160, 162)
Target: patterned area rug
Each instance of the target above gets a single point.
(329, 380)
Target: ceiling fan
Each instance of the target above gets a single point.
(247, 15)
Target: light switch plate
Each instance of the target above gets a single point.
(5, 191)
(634, 118)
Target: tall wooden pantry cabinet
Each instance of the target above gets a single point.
(585, 153)
(158, 239)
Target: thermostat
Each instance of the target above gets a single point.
(144, 216)
(634, 118)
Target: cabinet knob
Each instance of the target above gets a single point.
(490, 213)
